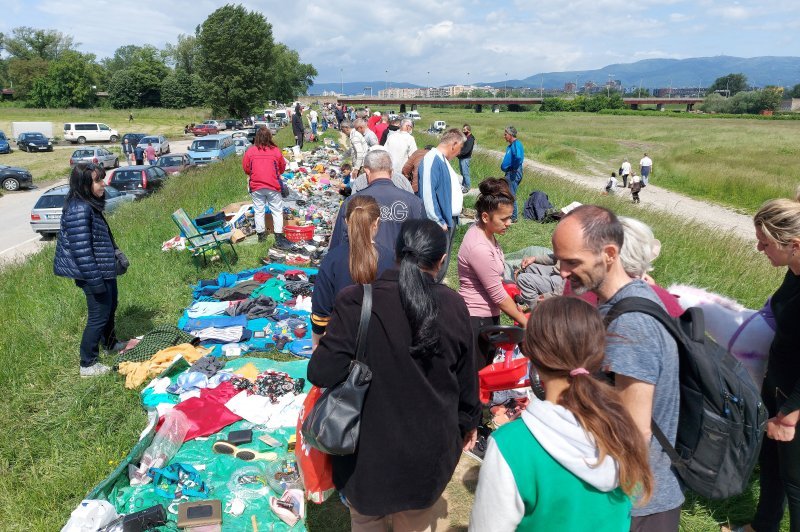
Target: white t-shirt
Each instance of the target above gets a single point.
(646, 161)
(457, 195)
(312, 116)
(400, 145)
(626, 168)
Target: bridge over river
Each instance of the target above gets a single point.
(479, 103)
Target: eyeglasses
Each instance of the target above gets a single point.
(225, 447)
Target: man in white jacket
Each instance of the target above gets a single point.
(401, 144)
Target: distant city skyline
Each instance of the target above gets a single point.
(449, 41)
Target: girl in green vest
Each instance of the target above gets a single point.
(570, 462)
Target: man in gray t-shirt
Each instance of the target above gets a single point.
(640, 352)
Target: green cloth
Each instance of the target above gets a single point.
(154, 341)
(554, 498)
(274, 288)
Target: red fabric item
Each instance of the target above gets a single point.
(207, 414)
(674, 308)
(371, 123)
(379, 128)
(316, 468)
(264, 166)
(262, 277)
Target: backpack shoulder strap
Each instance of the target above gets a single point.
(363, 324)
(645, 306)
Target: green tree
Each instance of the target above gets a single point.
(31, 43)
(729, 85)
(182, 55)
(70, 82)
(23, 72)
(795, 92)
(180, 89)
(143, 69)
(288, 77)
(234, 57)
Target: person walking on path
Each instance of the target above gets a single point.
(127, 149)
(138, 152)
(465, 156)
(130, 117)
(777, 228)
(568, 462)
(263, 163)
(645, 169)
(640, 352)
(298, 130)
(86, 252)
(420, 356)
(512, 163)
(150, 152)
(625, 172)
(636, 188)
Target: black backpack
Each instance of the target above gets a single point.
(722, 417)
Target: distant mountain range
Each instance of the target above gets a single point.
(650, 73)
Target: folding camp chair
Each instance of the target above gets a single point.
(200, 242)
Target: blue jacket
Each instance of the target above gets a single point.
(436, 188)
(84, 250)
(397, 206)
(515, 155)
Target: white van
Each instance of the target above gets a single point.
(80, 132)
(413, 115)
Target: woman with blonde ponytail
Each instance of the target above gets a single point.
(358, 260)
(570, 462)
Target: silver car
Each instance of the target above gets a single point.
(241, 144)
(46, 214)
(159, 142)
(94, 154)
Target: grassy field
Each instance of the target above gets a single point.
(734, 162)
(62, 435)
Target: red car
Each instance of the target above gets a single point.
(201, 130)
(175, 163)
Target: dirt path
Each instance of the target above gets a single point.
(706, 213)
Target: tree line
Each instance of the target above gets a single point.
(231, 63)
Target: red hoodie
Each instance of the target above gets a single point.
(374, 119)
(264, 166)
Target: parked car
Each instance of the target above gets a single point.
(281, 117)
(92, 131)
(34, 142)
(96, 155)
(219, 124)
(438, 127)
(211, 149)
(5, 146)
(139, 180)
(201, 130)
(232, 123)
(159, 142)
(133, 138)
(413, 115)
(241, 144)
(14, 178)
(175, 163)
(46, 213)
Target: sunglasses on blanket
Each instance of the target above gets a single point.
(224, 447)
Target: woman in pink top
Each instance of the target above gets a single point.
(480, 264)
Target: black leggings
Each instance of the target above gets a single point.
(780, 480)
(484, 351)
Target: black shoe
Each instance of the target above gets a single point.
(281, 242)
(262, 237)
(479, 450)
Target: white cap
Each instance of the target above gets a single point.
(376, 113)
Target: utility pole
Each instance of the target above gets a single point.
(505, 86)
(387, 80)
(341, 75)
(608, 86)
(541, 86)
(640, 88)
(577, 77)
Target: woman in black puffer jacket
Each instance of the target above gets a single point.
(85, 253)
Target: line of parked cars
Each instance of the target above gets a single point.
(46, 213)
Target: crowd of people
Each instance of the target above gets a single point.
(581, 457)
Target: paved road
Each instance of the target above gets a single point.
(17, 239)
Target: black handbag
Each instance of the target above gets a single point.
(121, 262)
(334, 423)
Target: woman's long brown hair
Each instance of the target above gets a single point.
(566, 333)
(362, 211)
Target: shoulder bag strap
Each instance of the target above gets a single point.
(363, 324)
(110, 234)
(674, 457)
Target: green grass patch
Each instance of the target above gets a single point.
(62, 435)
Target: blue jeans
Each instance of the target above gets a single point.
(463, 164)
(324, 126)
(514, 177)
(314, 128)
(99, 321)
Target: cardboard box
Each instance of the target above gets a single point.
(233, 208)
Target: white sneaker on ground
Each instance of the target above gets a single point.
(95, 370)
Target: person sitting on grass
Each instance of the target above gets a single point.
(569, 462)
(610, 184)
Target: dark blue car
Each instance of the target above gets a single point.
(5, 146)
(34, 142)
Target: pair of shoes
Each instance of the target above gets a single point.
(479, 450)
(464, 189)
(262, 237)
(94, 370)
(295, 259)
(274, 255)
(281, 242)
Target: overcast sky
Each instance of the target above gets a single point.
(456, 41)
